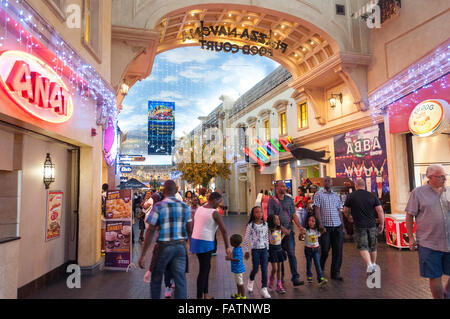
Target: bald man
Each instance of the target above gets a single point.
(361, 207)
(430, 206)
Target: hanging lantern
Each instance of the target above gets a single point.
(49, 171)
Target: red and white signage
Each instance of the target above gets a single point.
(35, 87)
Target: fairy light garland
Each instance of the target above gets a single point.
(421, 75)
(34, 34)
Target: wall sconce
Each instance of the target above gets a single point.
(49, 171)
(333, 99)
(124, 88)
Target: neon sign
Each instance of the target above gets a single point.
(266, 150)
(35, 87)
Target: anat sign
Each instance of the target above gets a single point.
(35, 87)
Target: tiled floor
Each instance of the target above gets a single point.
(399, 277)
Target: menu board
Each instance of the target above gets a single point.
(118, 244)
(118, 233)
(54, 213)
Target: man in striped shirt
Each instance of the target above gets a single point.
(328, 210)
(173, 219)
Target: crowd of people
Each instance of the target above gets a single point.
(270, 237)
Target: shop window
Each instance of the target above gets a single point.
(283, 124)
(302, 115)
(59, 7)
(266, 130)
(252, 134)
(92, 26)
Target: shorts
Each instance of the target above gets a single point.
(433, 263)
(239, 279)
(366, 238)
(276, 254)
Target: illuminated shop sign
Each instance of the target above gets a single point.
(264, 44)
(35, 87)
(429, 118)
(266, 150)
(126, 169)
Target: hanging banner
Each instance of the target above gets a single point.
(361, 154)
(161, 127)
(118, 243)
(54, 213)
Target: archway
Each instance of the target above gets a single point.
(310, 42)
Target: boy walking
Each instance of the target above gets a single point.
(237, 266)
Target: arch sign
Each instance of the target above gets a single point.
(429, 118)
(265, 44)
(34, 86)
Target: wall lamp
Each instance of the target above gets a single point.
(49, 171)
(124, 88)
(334, 98)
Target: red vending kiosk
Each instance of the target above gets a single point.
(396, 233)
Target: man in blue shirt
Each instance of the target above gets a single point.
(173, 220)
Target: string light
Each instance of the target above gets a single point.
(421, 75)
(34, 34)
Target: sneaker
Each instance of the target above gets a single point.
(235, 296)
(374, 267)
(241, 297)
(323, 281)
(310, 279)
(298, 282)
(370, 268)
(280, 289)
(271, 279)
(265, 294)
(250, 285)
(168, 292)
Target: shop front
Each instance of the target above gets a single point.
(50, 214)
(422, 120)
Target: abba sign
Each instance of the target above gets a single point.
(35, 87)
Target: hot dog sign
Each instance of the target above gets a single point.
(35, 87)
(429, 118)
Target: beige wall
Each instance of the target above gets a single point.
(37, 257)
(7, 146)
(9, 264)
(74, 36)
(434, 149)
(420, 27)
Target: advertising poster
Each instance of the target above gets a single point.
(361, 154)
(161, 127)
(118, 244)
(119, 204)
(391, 232)
(54, 213)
